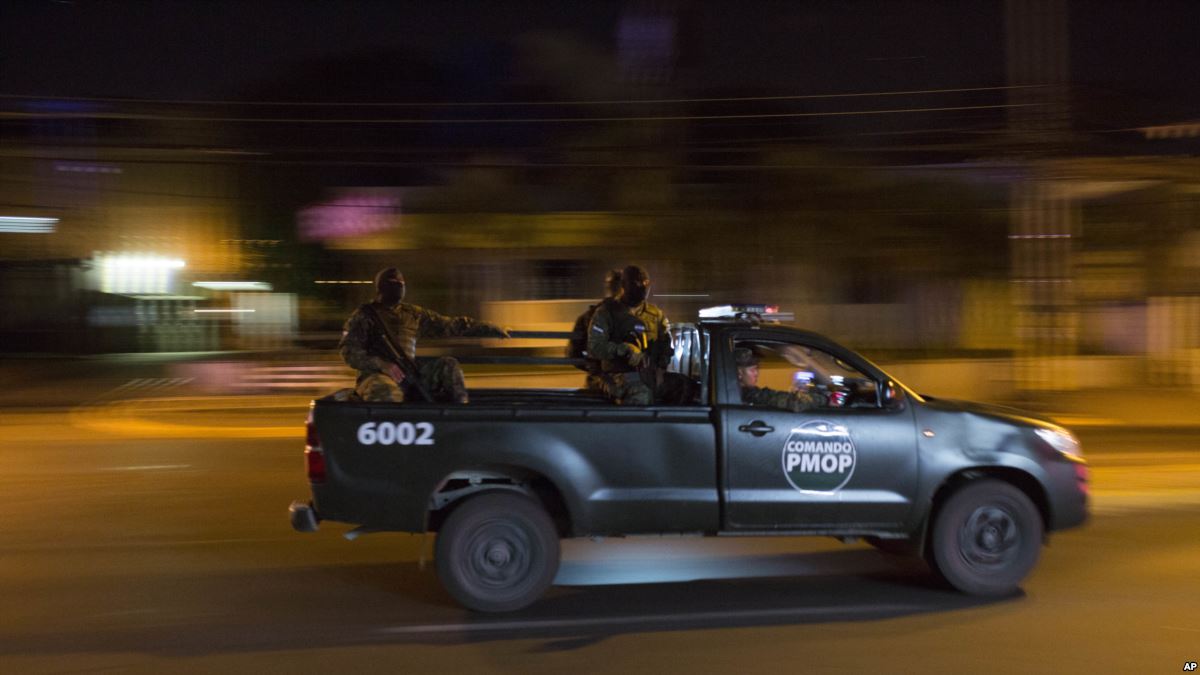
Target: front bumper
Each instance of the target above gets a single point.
(1068, 493)
(304, 517)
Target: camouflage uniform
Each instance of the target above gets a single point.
(794, 401)
(362, 349)
(577, 349)
(614, 327)
(443, 377)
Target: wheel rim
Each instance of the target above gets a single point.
(499, 555)
(989, 538)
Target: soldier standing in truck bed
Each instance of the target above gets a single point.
(632, 339)
(577, 344)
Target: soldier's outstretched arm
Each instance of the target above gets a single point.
(599, 342)
(666, 350)
(434, 325)
(356, 338)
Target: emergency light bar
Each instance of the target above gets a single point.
(769, 313)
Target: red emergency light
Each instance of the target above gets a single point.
(314, 456)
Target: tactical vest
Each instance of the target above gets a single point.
(628, 329)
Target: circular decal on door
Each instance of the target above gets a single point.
(819, 457)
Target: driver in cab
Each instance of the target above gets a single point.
(794, 401)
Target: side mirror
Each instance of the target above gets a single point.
(892, 395)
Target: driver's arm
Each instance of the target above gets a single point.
(795, 401)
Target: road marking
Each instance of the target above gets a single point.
(598, 622)
(1117, 502)
(1075, 421)
(124, 612)
(133, 417)
(122, 545)
(147, 467)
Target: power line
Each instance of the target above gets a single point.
(715, 145)
(504, 120)
(485, 104)
(718, 145)
(993, 210)
(443, 164)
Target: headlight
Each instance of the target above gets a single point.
(1062, 441)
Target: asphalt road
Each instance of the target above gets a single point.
(145, 545)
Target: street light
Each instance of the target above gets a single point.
(134, 273)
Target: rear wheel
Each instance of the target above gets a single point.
(986, 539)
(497, 552)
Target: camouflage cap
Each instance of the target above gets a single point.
(744, 358)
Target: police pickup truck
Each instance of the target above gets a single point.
(971, 488)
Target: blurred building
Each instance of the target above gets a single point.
(135, 209)
(917, 187)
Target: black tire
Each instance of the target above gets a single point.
(986, 539)
(498, 552)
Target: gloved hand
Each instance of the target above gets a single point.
(637, 357)
(396, 373)
(633, 355)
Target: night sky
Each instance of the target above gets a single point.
(1145, 55)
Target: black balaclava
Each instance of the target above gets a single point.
(389, 286)
(635, 286)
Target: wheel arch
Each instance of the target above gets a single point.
(459, 486)
(1022, 480)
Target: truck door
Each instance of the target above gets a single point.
(825, 468)
(757, 494)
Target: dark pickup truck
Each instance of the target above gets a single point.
(971, 488)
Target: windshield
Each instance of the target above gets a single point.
(813, 366)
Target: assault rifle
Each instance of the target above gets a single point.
(412, 374)
(650, 369)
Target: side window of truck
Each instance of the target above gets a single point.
(790, 367)
(687, 367)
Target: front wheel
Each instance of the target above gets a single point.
(497, 552)
(986, 538)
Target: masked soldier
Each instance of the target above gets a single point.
(632, 340)
(577, 345)
(380, 376)
(795, 401)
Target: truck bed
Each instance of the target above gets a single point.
(616, 469)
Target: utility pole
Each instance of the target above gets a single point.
(1044, 221)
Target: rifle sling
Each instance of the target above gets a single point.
(410, 365)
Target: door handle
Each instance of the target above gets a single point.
(757, 427)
